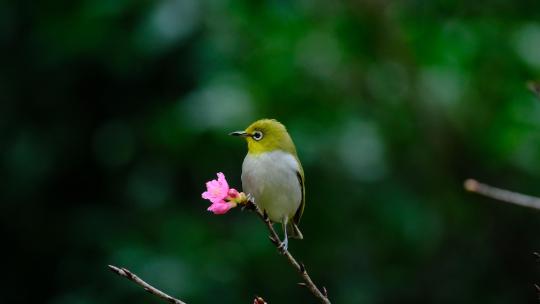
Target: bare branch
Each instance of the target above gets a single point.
(259, 300)
(502, 194)
(151, 289)
(299, 267)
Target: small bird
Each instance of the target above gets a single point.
(273, 176)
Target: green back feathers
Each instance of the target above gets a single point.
(274, 137)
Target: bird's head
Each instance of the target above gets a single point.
(267, 135)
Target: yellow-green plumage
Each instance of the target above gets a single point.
(273, 174)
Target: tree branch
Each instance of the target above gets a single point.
(502, 194)
(259, 300)
(151, 289)
(299, 267)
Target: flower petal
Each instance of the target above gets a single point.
(232, 194)
(221, 207)
(216, 190)
(222, 181)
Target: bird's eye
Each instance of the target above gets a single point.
(257, 135)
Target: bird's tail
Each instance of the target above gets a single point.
(293, 231)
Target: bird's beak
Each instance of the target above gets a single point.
(239, 133)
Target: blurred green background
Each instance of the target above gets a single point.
(114, 114)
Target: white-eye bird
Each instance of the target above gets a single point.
(273, 176)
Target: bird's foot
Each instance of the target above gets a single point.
(250, 203)
(283, 246)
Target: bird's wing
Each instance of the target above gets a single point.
(300, 210)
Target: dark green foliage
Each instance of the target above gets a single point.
(113, 115)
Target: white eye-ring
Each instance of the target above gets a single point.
(257, 135)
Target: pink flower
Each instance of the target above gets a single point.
(233, 193)
(221, 207)
(216, 190)
(222, 197)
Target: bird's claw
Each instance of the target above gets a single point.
(283, 246)
(250, 202)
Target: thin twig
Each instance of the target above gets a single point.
(151, 289)
(259, 300)
(299, 267)
(502, 194)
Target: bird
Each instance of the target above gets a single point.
(272, 175)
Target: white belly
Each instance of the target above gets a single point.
(271, 178)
